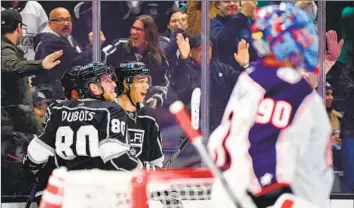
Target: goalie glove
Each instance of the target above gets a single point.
(216, 146)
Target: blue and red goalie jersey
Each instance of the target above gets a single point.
(275, 132)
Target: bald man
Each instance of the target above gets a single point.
(57, 36)
(60, 21)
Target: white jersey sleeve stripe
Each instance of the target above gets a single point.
(160, 145)
(38, 151)
(111, 147)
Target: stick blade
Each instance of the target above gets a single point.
(195, 106)
(183, 118)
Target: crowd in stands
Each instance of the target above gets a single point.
(167, 37)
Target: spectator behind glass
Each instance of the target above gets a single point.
(187, 75)
(347, 130)
(177, 19)
(177, 24)
(35, 19)
(143, 45)
(57, 35)
(335, 118)
(229, 27)
(18, 122)
(346, 22)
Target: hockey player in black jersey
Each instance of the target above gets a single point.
(144, 133)
(68, 82)
(86, 133)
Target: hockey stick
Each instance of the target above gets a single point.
(195, 106)
(31, 196)
(167, 163)
(183, 118)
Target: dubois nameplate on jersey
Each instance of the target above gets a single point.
(136, 140)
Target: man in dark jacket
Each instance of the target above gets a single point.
(230, 27)
(18, 122)
(57, 36)
(187, 76)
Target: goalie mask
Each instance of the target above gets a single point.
(287, 33)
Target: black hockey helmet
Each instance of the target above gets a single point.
(42, 94)
(128, 70)
(68, 81)
(91, 73)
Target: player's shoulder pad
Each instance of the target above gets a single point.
(56, 103)
(112, 107)
(51, 109)
(146, 111)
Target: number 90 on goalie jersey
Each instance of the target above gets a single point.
(81, 134)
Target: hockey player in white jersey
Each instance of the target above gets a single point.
(274, 136)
